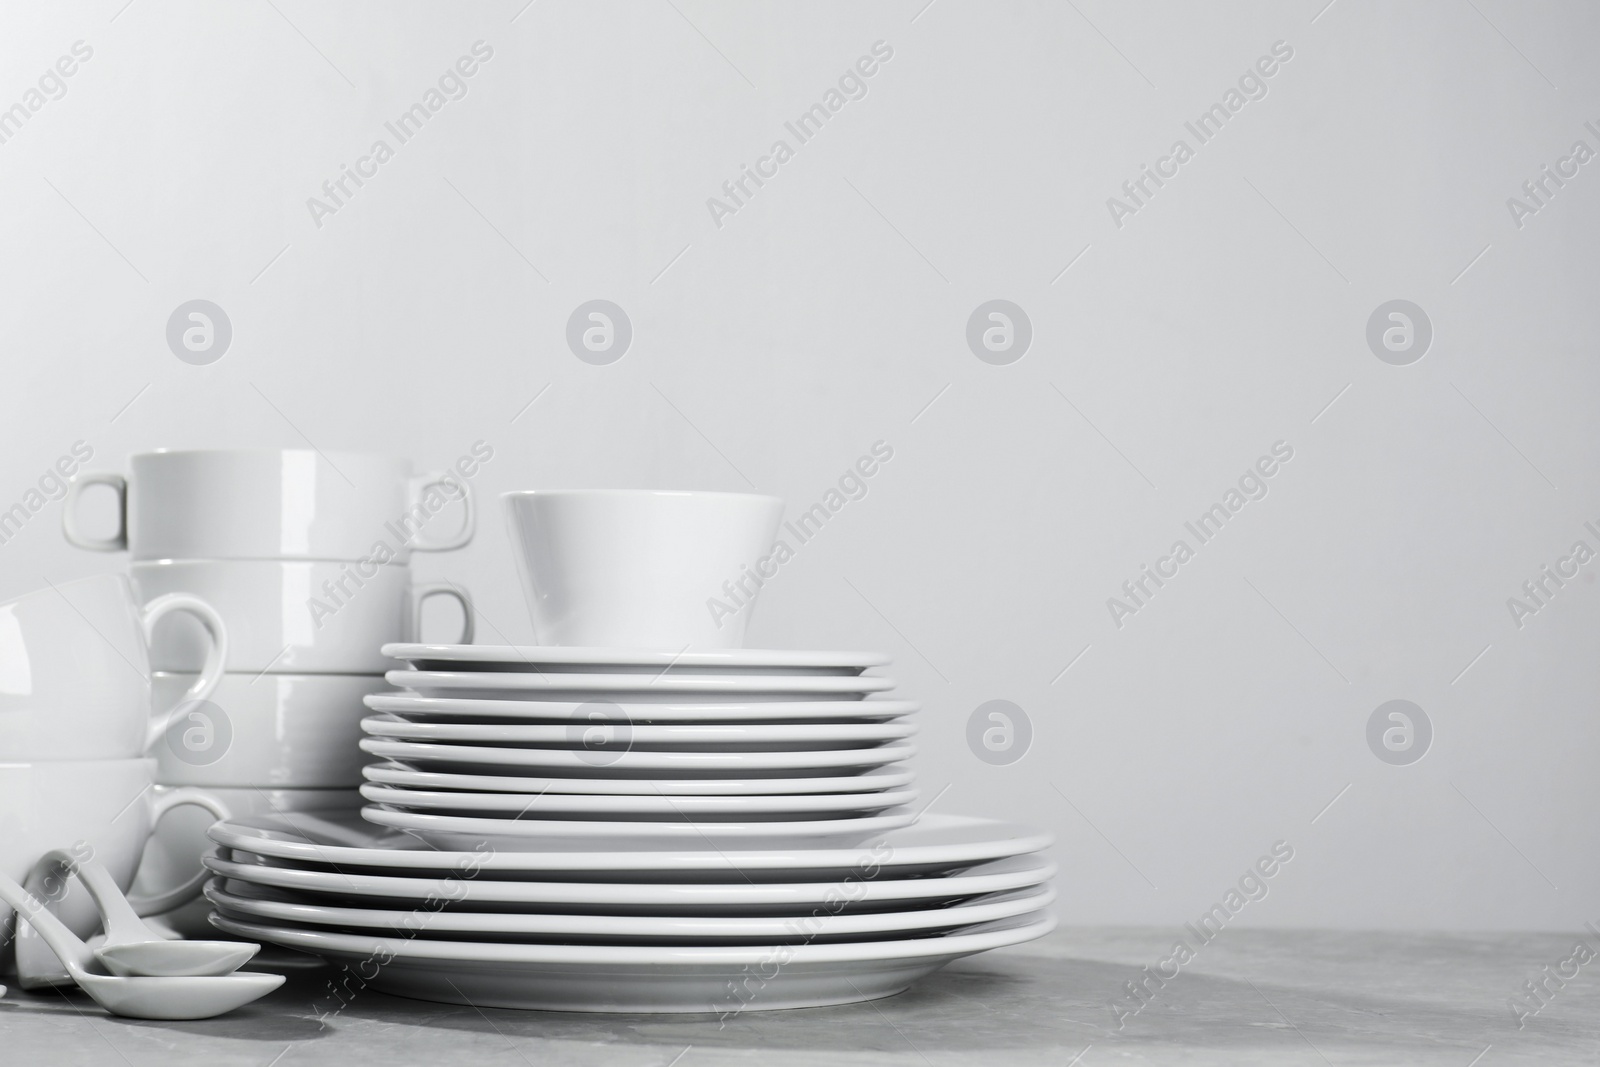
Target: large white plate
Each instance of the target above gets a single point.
(860, 887)
(414, 707)
(608, 763)
(661, 978)
(461, 802)
(254, 903)
(788, 737)
(641, 688)
(446, 831)
(630, 660)
(395, 774)
(351, 847)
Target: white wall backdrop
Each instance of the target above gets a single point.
(1172, 345)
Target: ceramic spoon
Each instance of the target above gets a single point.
(132, 949)
(137, 998)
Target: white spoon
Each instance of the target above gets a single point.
(132, 949)
(137, 998)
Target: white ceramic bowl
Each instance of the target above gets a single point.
(640, 569)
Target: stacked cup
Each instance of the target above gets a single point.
(76, 727)
(306, 557)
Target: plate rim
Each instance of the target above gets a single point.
(953, 945)
(592, 655)
(228, 834)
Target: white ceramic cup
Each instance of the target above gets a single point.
(180, 841)
(102, 808)
(297, 616)
(272, 731)
(271, 504)
(638, 569)
(75, 669)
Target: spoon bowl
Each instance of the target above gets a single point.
(176, 998)
(175, 959)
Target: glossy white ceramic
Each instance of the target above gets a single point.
(527, 832)
(470, 657)
(641, 569)
(659, 978)
(300, 616)
(137, 997)
(621, 762)
(102, 809)
(935, 843)
(406, 777)
(179, 841)
(75, 667)
(275, 504)
(640, 688)
(267, 730)
(717, 737)
(420, 708)
(560, 805)
(866, 882)
(820, 925)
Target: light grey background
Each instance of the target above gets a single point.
(831, 311)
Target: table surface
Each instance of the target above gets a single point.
(1248, 997)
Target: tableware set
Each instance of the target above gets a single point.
(305, 556)
(636, 814)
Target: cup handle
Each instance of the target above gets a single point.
(216, 655)
(165, 800)
(419, 488)
(69, 512)
(454, 592)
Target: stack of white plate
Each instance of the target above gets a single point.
(702, 929)
(588, 829)
(536, 747)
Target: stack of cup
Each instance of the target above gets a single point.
(76, 727)
(306, 557)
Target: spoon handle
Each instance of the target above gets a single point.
(122, 923)
(62, 941)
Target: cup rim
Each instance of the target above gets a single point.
(324, 453)
(529, 494)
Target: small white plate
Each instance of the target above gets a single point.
(414, 707)
(639, 688)
(660, 978)
(395, 774)
(788, 737)
(820, 926)
(679, 808)
(863, 888)
(604, 763)
(458, 831)
(344, 841)
(630, 660)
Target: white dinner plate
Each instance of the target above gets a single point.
(395, 774)
(464, 831)
(860, 887)
(521, 658)
(641, 688)
(255, 904)
(606, 763)
(668, 807)
(349, 846)
(414, 707)
(646, 978)
(740, 736)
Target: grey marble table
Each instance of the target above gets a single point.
(1249, 997)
